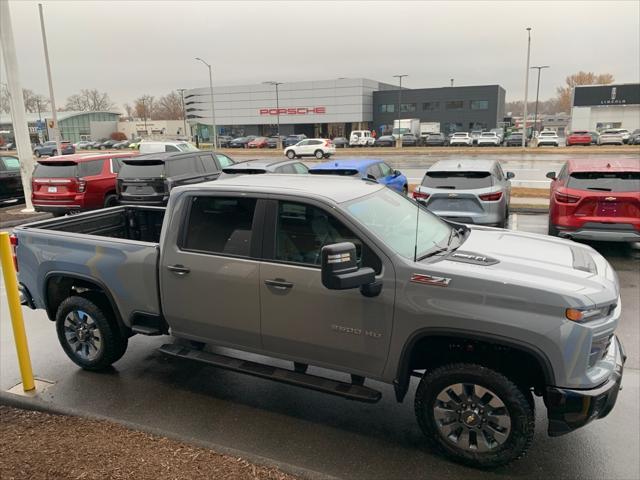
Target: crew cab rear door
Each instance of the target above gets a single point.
(303, 320)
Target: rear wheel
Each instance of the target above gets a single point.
(319, 154)
(110, 200)
(475, 415)
(291, 154)
(551, 230)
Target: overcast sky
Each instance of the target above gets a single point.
(128, 48)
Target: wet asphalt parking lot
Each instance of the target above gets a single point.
(319, 432)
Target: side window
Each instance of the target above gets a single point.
(209, 163)
(374, 170)
(385, 169)
(116, 163)
(185, 166)
(88, 169)
(220, 225)
(300, 168)
(285, 169)
(302, 230)
(171, 148)
(563, 173)
(10, 163)
(224, 161)
(303, 143)
(499, 172)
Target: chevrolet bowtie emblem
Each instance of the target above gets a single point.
(453, 194)
(610, 199)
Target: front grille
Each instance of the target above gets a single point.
(599, 349)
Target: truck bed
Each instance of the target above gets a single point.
(116, 247)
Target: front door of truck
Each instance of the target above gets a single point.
(302, 319)
(209, 283)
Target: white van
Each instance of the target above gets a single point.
(157, 147)
(361, 138)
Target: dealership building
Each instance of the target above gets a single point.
(598, 107)
(334, 108)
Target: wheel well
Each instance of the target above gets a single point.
(60, 287)
(432, 351)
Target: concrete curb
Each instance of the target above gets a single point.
(22, 221)
(524, 208)
(27, 403)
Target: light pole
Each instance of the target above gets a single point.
(213, 112)
(275, 84)
(526, 89)
(399, 139)
(184, 112)
(144, 114)
(54, 116)
(535, 116)
(452, 82)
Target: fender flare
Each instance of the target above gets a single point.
(403, 375)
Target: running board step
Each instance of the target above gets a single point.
(145, 330)
(326, 385)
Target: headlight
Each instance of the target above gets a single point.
(585, 315)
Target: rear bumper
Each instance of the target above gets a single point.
(569, 409)
(614, 233)
(56, 208)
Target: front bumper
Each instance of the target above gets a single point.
(569, 409)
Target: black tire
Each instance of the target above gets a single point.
(319, 154)
(110, 200)
(54, 153)
(517, 405)
(551, 230)
(38, 154)
(405, 190)
(112, 344)
(290, 154)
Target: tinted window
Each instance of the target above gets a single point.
(300, 168)
(224, 160)
(88, 169)
(303, 230)
(285, 169)
(220, 225)
(479, 104)
(385, 169)
(57, 170)
(142, 169)
(457, 180)
(605, 181)
(184, 166)
(11, 163)
(209, 163)
(171, 148)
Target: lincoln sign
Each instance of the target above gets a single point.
(293, 111)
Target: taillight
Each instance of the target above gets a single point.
(491, 197)
(13, 240)
(82, 185)
(566, 198)
(419, 195)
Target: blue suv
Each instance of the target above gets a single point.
(366, 168)
(50, 149)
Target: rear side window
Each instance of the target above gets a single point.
(55, 170)
(184, 166)
(300, 168)
(457, 180)
(224, 161)
(142, 169)
(209, 163)
(88, 169)
(220, 225)
(286, 169)
(605, 181)
(11, 163)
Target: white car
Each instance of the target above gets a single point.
(361, 138)
(461, 138)
(623, 132)
(613, 136)
(311, 147)
(548, 137)
(489, 138)
(157, 147)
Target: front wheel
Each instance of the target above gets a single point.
(319, 154)
(88, 333)
(291, 154)
(475, 415)
(38, 154)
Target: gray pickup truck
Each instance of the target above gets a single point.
(346, 275)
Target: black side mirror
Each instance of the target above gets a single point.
(510, 175)
(551, 175)
(396, 173)
(340, 268)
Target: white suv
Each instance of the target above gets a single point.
(489, 138)
(157, 147)
(461, 138)
(548, 137)
(311, 147)
(361, 138)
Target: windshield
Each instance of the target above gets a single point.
(605, 181)
(393, 218)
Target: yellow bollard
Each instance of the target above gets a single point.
(13, 296)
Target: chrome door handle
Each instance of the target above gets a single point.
(178, 269)
(278, 284)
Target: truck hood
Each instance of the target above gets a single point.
(539, 261)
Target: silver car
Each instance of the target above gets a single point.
(467, 191)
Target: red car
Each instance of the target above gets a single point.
(76, 182)
(579, 137)
(596, 199)
(260, 142)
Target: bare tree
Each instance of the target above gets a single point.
(129, 110)
(89, 100)
(145, 107)
(580, 78)
(549, 106)
(33, 102)
(169, 107)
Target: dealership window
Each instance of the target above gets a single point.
(454, 105)
(431, 106)
(408, 107)
(479, 104)
(387, 108)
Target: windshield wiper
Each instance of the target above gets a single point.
(441, 248)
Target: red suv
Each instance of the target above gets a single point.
(596, 200)
(76, 182)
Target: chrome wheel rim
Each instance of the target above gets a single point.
(471, 417)
(83, 335)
